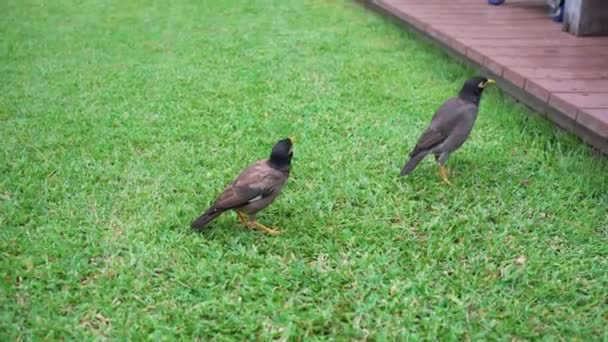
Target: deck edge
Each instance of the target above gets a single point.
(509, 81)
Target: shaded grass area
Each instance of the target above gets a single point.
(120, 121)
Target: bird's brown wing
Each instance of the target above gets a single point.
(255, 182)
(454, 113)
(429, 139)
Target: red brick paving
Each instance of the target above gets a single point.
(520, 44)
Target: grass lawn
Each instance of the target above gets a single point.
(122, 120)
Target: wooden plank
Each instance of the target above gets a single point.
(482, 22)
(493, 66)
(573, 86)
(545, 51)
(595, 120)
(585, 100)
(600, 62)
(478, 7)
(514, 77)
(496, 31)
(475, 56)
(561, 73)
(503, 35)
(447, 40)
(479, 14)
(562, 105)
(537, 90)
(536, 42)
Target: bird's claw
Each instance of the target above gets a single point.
(274, 232)
(257, 225)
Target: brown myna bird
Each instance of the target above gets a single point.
(450, 126)
(254, 189)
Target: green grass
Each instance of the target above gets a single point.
(121, 120)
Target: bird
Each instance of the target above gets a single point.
(450, 127)
(254, 189)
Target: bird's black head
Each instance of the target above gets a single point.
(282, 152)
(473, 87)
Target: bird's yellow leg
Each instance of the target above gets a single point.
(256, 224)
(242, 217)
(444, 174)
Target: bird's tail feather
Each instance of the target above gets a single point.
(206, 218)
(412, 163)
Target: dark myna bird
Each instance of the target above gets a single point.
(254, 189)
(450, 126)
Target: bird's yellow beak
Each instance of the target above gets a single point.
(487, 83)
(292, 139)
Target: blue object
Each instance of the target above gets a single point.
(556, 8)
(557, 14)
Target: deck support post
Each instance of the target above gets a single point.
(586, 17)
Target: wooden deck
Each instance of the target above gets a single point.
(563, 77)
